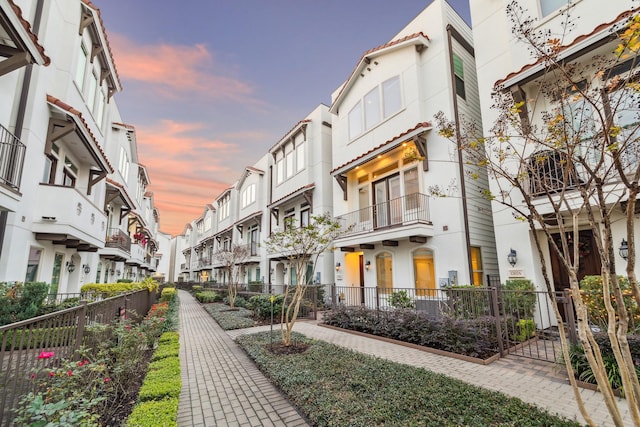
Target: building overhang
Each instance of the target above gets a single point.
(417, 233)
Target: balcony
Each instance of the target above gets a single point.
(64, 215)
(403, 217)
(117, 245)
(12, 153)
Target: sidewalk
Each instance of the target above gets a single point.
(220, 385)
(531, 381)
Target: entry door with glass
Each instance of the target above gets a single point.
(387, 206)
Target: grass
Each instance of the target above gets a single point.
(334, 386)
(239, 318)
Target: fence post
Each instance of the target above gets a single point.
(315, 302)
(333, 294)
(571, 320)
(82, 317)
(496, 316)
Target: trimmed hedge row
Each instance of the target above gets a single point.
(158, 397)
(228, 319)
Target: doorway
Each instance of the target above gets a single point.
(386, 195)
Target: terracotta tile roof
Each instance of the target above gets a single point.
(66, 107)
(126, 126)
(224, 193)
(89, 4)
(148, 194)
(248, 217)
(295, 192)
(365, 55)
(389, 141)
(256, 170)
(297, 125)
(124, 190)
(27, 27)
(226, 230)
(596, 30)
(210, 207)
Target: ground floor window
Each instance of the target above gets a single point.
(32, 264)
(476, 265)
(424, 272)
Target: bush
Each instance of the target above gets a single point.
(168, 294)
(207, 297)
(154, 413)
(197, 288)
(21, 301)
(468, 301)
(400, 299)
(230, 319)
(124, 281)
(526, 329)
(475, 338)
(261, 306)
(591, 291)
(519, 298)
(334, 386)
(239, 301)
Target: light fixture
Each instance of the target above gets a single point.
(86, 268)
(367, 264)
(512, 257)
(118, 273)
(338, 266)
(71, 266)
(624, 249)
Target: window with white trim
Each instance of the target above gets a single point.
(458, 71)
(102, 102)
(379, 103)
(224, 207)
(300, 153)
(289, 164)
(123, 164)
(70, 173)
(92, 90)
(207, 223)
(249, 195)
(51, 165)
(81, 66)
(547, 7)
(280, 171)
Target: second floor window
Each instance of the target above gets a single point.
(123, 164)
(70, 173)
(378, 104)
(249, 195)
(81, 67)
(458, 71)
(547, 7)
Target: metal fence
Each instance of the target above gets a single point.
(525, 322)
(61, 332)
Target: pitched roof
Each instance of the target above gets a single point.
(293, 194)
(27, 26)
(289, 133)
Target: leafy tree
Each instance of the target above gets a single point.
(232, 260)
(301, 246)
(566, 155)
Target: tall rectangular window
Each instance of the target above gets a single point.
(81, 67)
(70, 173)
(123, 165)
(91, 90)
(102, 101)
(355, 121)
(300, 153)
(391, 96)
(476, 264)
(289, 166)
(280, 171)
(371, 108)
(458, 71)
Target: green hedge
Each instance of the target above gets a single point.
(207, 297)
(111, 289)
(168, 294)
(158, 396)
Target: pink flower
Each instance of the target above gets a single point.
(52, 374)
(106, 380)
(82, 363)
(70, 373)
(45, 354)
(127, 327)
(33, 375)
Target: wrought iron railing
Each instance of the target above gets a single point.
(12, 152)
(118, 239)
(412, 208)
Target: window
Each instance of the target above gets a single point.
(91, 90)
(207, 223)
(355, 121)
(391, 96)
(102, 101)
(304, 217)
(32, 264)
(476, 265)
(371, 108)
(249, 195)
(289, 218)
(458, 71)
(424, 273)
(411, 189)
(253, 237)
(123, 164)
(300, 153)
(70, 173)
(549, 6)
(280, 171)
(81, 67)
(223, 207)
(289, 164)
(384, 273)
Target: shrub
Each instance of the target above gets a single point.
(255, 286)
(239, 301)
(207, 297)
(261, 306)
(168, 294)
(519, 298)
(526, 329)
(400, 299)
(154, 413)
(111, 289)
(21, 301)
(475, 338)
(196, 288)
(230, 319)
(467, 301)
(124, 281)
(591, 291)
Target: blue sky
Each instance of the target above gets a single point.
(211, 85)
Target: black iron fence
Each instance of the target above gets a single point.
(12, 153)
(525, 321)
(62, 333)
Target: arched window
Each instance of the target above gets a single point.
(424, 273)
(384, 271)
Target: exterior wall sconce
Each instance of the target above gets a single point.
(118, 272)
(86, 268)
(512, 257)
(71, 267)
(367, 264)
(624, 249)
(338, 266)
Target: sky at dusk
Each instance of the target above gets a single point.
(210, 85)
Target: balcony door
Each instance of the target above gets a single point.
(387, 203)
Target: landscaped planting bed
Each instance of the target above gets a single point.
(228, 319)
(334, 386)
(469, 337)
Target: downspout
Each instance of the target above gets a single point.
(463, 190)
(22, 107)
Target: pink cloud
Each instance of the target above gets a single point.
(178, 70)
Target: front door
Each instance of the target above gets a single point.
(386, 194)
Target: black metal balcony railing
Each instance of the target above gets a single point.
(412, 208)
(12, 153)
(118, 239)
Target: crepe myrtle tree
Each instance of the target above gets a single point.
(301, 246)
(567, 156)
(232, 260)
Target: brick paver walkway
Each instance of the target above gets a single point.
(220, 385)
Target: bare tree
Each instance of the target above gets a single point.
(301, 246)
(232, 261)
(564, 157)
